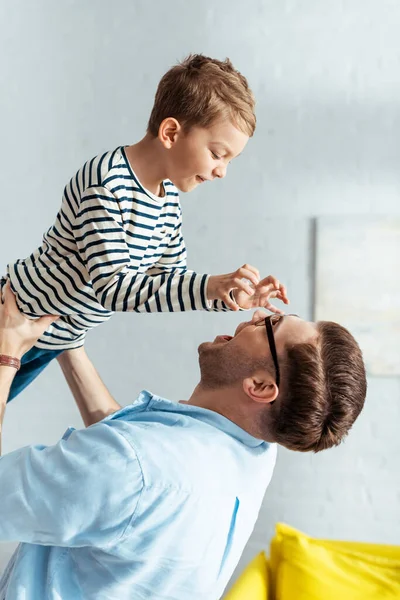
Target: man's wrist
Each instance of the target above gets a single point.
(10, 360)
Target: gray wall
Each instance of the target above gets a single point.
(79, 78)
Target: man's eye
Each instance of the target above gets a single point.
(215, 155)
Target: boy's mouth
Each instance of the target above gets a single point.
(200, 178)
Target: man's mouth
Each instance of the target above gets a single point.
(223, 338)
(200, 178)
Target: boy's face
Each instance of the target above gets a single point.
(203, 153)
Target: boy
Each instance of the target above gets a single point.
(117, 243)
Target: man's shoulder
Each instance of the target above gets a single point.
(175, 448)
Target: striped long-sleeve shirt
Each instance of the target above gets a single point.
(113, 247)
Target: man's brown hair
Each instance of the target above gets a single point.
(199, 90)
(323, 393)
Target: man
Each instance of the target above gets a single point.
(158, 499)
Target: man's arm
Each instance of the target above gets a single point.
(17, 335)
(82, 491)
(7, 375)
(91, 395)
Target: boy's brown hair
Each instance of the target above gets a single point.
(199, 90)
(323, 393)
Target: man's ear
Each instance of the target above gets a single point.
(261, 388)
(169, 131)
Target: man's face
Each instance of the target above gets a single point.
(203, 153)
(230, 359)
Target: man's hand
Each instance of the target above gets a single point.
(18, 333)
(220, 286)
(268, 288)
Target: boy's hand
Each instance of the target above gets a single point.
(220, 286)
(268, 288)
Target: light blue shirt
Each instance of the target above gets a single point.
(155, 502)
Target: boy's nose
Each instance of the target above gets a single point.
(219, 172)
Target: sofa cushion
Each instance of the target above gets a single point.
(252, 583)
(304, 568)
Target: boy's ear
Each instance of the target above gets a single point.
(169, 131)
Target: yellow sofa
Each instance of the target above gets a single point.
(304, 568)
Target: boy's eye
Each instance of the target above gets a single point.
(215, 155)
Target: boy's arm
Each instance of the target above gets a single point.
(91, 395)
(239, 295)
(174, 259)
(105, 249)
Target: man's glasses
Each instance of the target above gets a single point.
(271, 321)
(269, 326)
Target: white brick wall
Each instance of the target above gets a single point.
(78, 78)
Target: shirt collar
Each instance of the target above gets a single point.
(202, 414)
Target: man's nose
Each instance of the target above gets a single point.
(258, 315)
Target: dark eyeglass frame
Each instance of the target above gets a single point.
(271, 341)
(272, 346)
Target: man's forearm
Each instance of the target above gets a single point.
(7, 375)
(91, 395)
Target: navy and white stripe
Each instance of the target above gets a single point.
(114, 247)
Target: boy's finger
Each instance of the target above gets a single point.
(229, 302)
(284, 299)
(270, 280)
(265, 288)
(273, 309)
(284, 292)
(249, 275)
(241, 284)
(253, 270)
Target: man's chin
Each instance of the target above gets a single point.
(204, 347)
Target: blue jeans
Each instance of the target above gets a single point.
(32, 364)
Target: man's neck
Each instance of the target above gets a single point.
(146, 159)
(230, 403)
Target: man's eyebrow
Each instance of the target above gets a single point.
(281, 319)
(278, 323)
